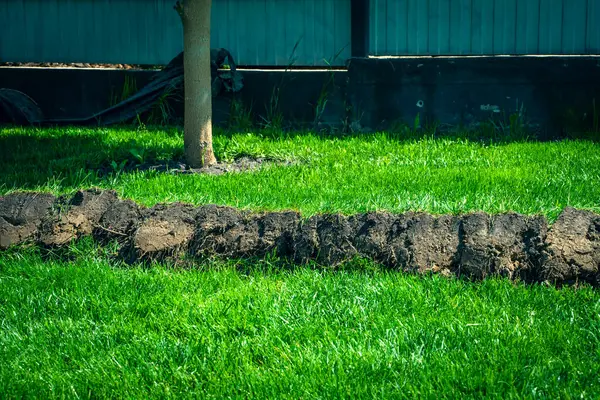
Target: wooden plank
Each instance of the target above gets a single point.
(294, 35)
(233, 32)
(169, 36)
(141, 32)
(545, 45)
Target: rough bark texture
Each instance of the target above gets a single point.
(195, 17)
(475, 246)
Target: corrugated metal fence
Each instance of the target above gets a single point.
(485, 27)
(265, 32)
(256, 32)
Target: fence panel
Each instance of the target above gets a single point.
(485, 27)
(257, 32)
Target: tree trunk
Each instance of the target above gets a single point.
(195, 16)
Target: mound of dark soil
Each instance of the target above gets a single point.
(475, 245)
(572, 250)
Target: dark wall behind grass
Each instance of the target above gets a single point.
(292, 96)
(549, 96)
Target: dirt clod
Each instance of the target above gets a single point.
(431, 242)
(372, 232)
(77, 217)
(573, 248)
(507, 245)
(21, 215)
(228, 232)
(476, 245)
(165, 232)
(328, 239)
(118, 222)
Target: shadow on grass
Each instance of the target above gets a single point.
(75, 157)
(30, 158)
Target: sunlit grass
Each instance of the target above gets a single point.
(83, 326)
(88, 329)
(332, 173)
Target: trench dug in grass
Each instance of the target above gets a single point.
(83, 325)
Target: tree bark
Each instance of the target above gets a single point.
(195, 17)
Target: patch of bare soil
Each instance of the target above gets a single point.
(242, 164)
(475, 245)
(572, 250)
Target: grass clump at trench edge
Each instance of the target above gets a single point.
(84, 329)
(346, 174)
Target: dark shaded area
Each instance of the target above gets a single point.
(34, 159)
(504, 98)
(19, 108)
(269, 98)
(71, 156)
(542, 97)
(475, 246)
(360, 21)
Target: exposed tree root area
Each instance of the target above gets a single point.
(476, 245)
(242, 164)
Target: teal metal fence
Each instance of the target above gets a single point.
(256, 32)
(298, 32)
(485, 27)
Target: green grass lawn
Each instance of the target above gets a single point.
(89, 329)
(333, 174)
(84, 326)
